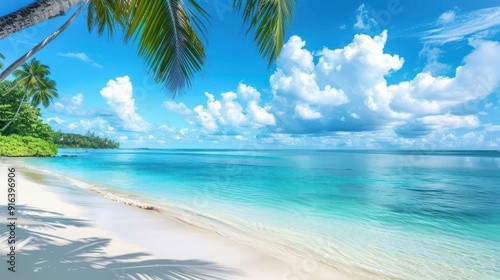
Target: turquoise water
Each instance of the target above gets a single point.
(407, 214)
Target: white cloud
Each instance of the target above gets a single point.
(363, 20)
(450, 121)
(296, 77)
(428, 94)
(98, 125)
(118, 96)
(433, 65)
(165, 128)
(72, 126)
(305, 112)
(151, 137)
(55, 120)
(78, 99)
(452, 28)
(72, 106)
(177, 108)
(233, 112)
(81, 56)
(354, 116)
(359, 72)
(343, 97)
(259, 116)
(447, 17)
(294, 56)
(206, 119)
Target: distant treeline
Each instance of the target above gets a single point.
(89, 140)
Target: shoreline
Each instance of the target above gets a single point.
(158, 225)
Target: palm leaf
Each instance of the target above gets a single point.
(45, 94)
(167, 39)
(106, 15)
(269, 19)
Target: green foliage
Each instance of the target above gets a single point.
(167, 39)
(26, 146)
(28, 122)
(269, 20)
(33, 77)
(90, 140)
(168, 32)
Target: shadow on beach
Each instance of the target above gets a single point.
(42, 255)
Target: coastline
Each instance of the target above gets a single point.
(147, 242)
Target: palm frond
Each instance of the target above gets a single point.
(33, 76)
(167, 39)
(45, 94)
(269, 19)
(106, 15)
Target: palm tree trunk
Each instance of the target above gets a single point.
(32, 14)
(13, 87)
(17, 112)
(38, 47)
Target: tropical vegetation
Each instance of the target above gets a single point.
(22, 131)
(90, 140)
(167, 33)
(38, 87)
(26, 146)
(27, 134)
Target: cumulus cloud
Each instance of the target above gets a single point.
(365, 101)
(343, 98)
(234, 111)
(429, 94)
(340, 80)
(296, 78)
(119, 97)
(81, 56)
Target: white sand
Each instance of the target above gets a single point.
(64, 232)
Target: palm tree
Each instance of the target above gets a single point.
(45, 95)
(33, 77)
(167, 32)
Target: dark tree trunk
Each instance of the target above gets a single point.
(32, 14)
(38, 47)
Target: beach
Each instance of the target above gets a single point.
(65, 232)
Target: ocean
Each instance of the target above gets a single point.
(372, 214)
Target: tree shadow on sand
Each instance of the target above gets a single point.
(45, 256)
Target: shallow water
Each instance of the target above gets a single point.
(407, 214)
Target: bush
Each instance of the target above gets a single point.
(26, 146)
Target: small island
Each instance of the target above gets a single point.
(89, 141)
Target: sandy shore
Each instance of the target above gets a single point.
(64, 232)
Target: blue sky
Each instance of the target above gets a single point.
(397, 74)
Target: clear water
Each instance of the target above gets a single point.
(378, 214)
